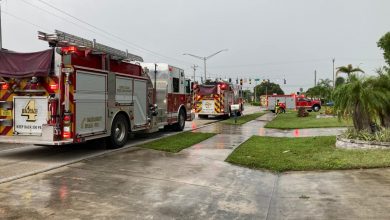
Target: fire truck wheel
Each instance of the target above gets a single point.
(179, 126)
(316, 108)
(119, 132)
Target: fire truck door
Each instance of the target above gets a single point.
(90, 101)
(140, 102)
(290, 103)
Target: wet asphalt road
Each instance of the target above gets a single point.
(196, 184)
(19, 160)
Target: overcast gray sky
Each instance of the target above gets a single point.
(267, 39)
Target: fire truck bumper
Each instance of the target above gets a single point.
(47, 138)
(36, 140)
(212, 114)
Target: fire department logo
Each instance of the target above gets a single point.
(207, 105)
(30, 111)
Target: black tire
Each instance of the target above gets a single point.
(179, 126)
(226, 116)
(316, 108)
(203, 116)
(119, 132)
(310, 110)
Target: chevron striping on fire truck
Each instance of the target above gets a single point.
(214, 98)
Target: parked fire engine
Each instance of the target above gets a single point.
(292, 102)
(80, 90)
(216, 98)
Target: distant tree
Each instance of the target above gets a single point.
(247, 94)
(384, 44)
(339, 81)
(322, 90)
(268, 87)
(349, 69)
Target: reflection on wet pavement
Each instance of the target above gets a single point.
(231, 136)
(196, 184)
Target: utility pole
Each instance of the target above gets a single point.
(315, 77)
(255, 91)
(334, 82)
(1, 36)
(155, 83)
(194, 68)
(205, 59)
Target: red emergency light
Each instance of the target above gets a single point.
(223, 86)
(70, 49)
(53, 86)
(67, 118)
(66, 134)
(4, 86)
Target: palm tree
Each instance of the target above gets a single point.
(349, 69)
(382, 84)
(359, 98)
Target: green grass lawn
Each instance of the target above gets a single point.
(306, 153)
(243, 119)
(178, 142)
(290, 120)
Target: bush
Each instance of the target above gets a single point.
(383, 135)
(255, 103)
(329, 110)
(302, 112)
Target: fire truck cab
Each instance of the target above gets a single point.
(80, 90)
(172, 94)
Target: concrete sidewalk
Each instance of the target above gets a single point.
(194, 184)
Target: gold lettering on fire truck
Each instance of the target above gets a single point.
(123, 89)
(30, 111)
(91, 122)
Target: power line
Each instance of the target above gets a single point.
(53, 14)
(295, 61)
(24, 20)
(108, 33)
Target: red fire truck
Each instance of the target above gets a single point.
(81, 90)
(215, 98)
(292, 102)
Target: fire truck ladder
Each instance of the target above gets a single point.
(62, 39)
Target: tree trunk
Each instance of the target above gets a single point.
(361, 120)
(384, 118)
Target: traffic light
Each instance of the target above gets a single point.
(230, 80)
(284, 81)
(237, 81)
(250, 81)
(241, 81)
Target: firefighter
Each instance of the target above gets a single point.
(277, 106)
